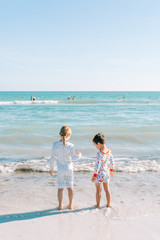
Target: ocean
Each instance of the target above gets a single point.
(129, 120)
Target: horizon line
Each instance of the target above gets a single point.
(80, 91)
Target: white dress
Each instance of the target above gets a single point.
(63, 156)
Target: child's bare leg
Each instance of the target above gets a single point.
(98, 193)
(70, 197)
(108, 194)
(60, 198)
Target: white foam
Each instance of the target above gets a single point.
(127, 165)
(6, 103)
(80, 102)
(16, 102)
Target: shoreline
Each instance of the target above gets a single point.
(132, 194)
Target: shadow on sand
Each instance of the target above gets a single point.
(38, 214)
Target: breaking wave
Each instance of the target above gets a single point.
(48, 102)
(127, 165)
(79, 102)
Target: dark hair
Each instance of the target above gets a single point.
(99, 138)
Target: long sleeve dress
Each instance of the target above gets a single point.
(64, 157)
(103, 165)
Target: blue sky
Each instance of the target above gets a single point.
(80, 45)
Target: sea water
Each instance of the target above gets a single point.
(130, 122)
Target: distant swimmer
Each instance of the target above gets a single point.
(120, 99)
(33, 98)
(70, 97)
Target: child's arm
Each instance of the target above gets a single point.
(97, 167)
(112, 163)
(73, 155)
(52, 160)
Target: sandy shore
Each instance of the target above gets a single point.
(133, 216)
(85, 223)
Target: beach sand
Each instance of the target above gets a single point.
(80, 224)
(33, 213)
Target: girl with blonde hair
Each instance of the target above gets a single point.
(63, 154)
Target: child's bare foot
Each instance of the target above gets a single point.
(70, 207)
(98, 206)
(61, 207)
(109, 206)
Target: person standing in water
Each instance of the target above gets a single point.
(63, 154)
(102, 171)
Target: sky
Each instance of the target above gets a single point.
(86, 45)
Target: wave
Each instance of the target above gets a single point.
(48, 102)
(127, 165)
(79, 102)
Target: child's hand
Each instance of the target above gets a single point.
(79, 154)
(51, 172)
(93, 179)
(111, 173)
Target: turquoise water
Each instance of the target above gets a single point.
(129, 120)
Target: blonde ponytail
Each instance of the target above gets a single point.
(64, 140)
(64, 133)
